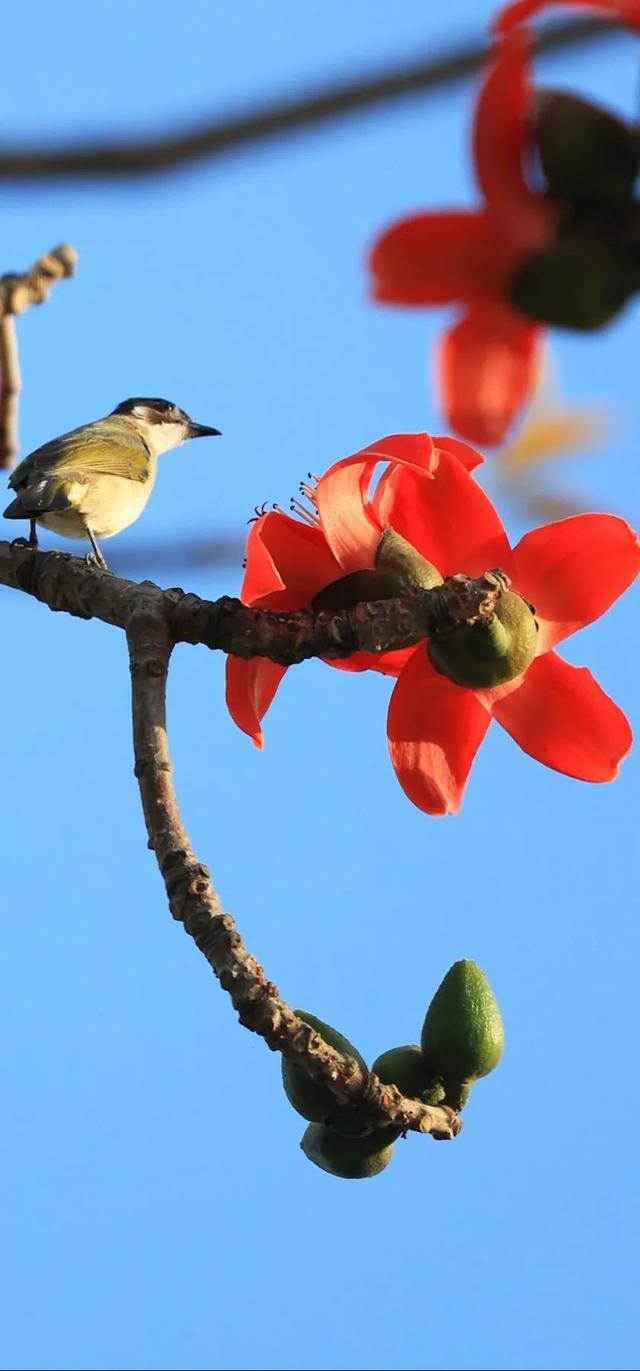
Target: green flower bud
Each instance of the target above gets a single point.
(576, 283)
(482, 655)
(351, 1158)
(406, 1068)
(315, 1102)
(588, 156)
(463, 1034)
(399, 569)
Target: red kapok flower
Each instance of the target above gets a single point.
(571, 570)
(487, 362)
(562, 254)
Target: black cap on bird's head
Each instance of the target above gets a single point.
(157, 411)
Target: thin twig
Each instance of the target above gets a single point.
(66, 583)
(10, 384)
(194, 902)
(17, 292)
(217, 137)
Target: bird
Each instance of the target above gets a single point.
(96, 480)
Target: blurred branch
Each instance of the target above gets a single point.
(66, 583)
(133, 555)
(217, 137)
(194, 903)
(17, 293)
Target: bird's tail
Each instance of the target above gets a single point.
(16, 510)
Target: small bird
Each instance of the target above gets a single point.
(95, 480)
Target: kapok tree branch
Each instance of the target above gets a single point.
(17, 292)
(194, 902)
(66, 583)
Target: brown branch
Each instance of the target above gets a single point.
(17, 292)
(66, 583)
(194, 903)
(10, 385)
(217, 137)
(32, 287)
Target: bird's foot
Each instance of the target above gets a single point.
(23, 542)
(97, 561)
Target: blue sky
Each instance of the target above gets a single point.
(156, 1209)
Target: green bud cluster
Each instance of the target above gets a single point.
(590, 161)
(462, 1039)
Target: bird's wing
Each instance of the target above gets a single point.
(78, 455)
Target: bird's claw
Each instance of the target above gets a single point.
(98, 563)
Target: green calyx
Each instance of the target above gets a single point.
(353, 1159)
(463, 1034)
(588, 156)
(399, 558)
(399, 568)
(488, 654)
(314, 1101)
(577, 282)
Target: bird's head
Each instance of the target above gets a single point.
(161, 424)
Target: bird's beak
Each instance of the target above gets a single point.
(203, 431)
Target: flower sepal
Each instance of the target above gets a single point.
(588, 156)
(399, 568)
(490, 652)
(578, 282)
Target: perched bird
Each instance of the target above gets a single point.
(95, 480)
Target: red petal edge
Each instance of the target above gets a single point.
(250, 688)
(434, 730)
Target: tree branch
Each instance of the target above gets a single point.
(194, 902)
(17, 292)
(66, 583)
(217, 137)
(10, 386)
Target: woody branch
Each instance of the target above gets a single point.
(194, 902)
(65, 583)
(154, 620)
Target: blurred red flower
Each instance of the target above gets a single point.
(487, 362)
(528, 256)
(571, 570)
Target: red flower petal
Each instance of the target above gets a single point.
(446, 516)
(562, 717)
(434, 730)
(574, 569)
(627, 11)
(488, 365)
(250, 688)
(288, 562)
(463, 451)
(387, 663)
(415, 448)
(345, 512)
(431, 258)
(500, 134)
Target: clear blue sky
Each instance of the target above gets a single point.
(156, 1209)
